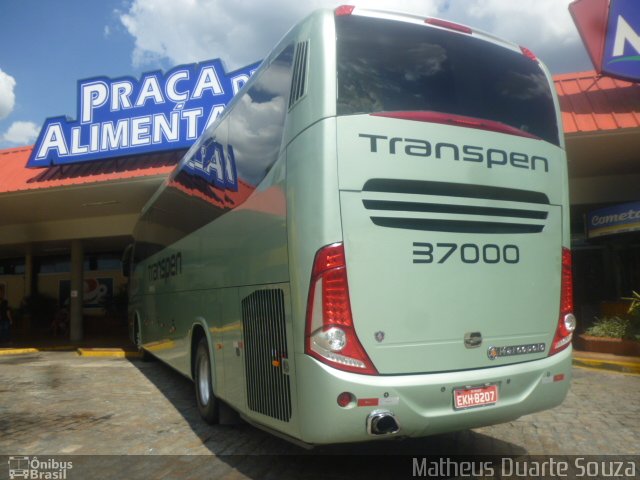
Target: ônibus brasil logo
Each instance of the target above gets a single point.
(38, 469)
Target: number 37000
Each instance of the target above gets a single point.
(468, 253)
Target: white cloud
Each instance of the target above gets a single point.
(239, 32)
(243, 31)
(543, 26)
(21, 133)
(7, 97)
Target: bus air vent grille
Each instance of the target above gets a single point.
(456, 207)
(299, 82)
(266, 355)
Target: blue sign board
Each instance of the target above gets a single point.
(125, 116)
(612, 220)
(622, 43)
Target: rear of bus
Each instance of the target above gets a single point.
(444, 302)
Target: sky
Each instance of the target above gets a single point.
(47, 46)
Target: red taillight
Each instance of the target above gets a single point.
(456, 120)
(529, 54)
(344, 10)
(566, 320)
(327, 258)
(449, 25)
(566, 305)
(329, 335)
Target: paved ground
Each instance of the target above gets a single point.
(56, 403)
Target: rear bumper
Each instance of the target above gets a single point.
(423, 404)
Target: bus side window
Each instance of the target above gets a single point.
(256, 123)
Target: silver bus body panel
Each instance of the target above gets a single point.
(423, 403)
(465, 282)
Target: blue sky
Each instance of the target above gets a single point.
(47, 46)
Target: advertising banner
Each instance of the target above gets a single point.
(610, 30)
(126, 116)
(613, 220)
(622, 45)
(96, 292)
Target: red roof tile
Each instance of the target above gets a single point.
(590, 103)
(15, 177)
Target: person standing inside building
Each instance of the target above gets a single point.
(5, 319)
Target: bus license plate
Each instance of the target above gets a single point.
(475, 397)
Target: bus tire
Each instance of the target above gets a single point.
(205, 398)
(144, 355)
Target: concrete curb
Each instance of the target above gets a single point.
(17, 351)
(108, 352)
(83, 352)
(22, 350)
(611, 365)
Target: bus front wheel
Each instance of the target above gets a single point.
(207, 402)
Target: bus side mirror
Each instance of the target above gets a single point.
(127, 260)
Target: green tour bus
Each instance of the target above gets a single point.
(371, 241)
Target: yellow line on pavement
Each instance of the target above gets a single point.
(21, 350)
(611, 365)
(17, 351)
(108, 352)
(84, 352)
(607, 370)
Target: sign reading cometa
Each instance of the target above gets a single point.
(125, 116)
(614, 220)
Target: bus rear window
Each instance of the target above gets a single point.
(390, 66)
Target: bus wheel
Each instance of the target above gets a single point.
(207, 402)
(144, 355)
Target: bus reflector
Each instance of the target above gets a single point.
(329, 334)
(566, 320)
(346, 399)
(344, 10)
(449, 25)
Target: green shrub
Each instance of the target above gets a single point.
(614, 327)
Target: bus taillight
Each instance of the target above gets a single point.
(529, 54)
(566, 321)
(449, 25)
(344, 10)
(329, 335)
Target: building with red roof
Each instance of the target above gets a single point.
(47, 213)
(89, 210)
(601, 118)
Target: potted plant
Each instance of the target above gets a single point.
(618, 335)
